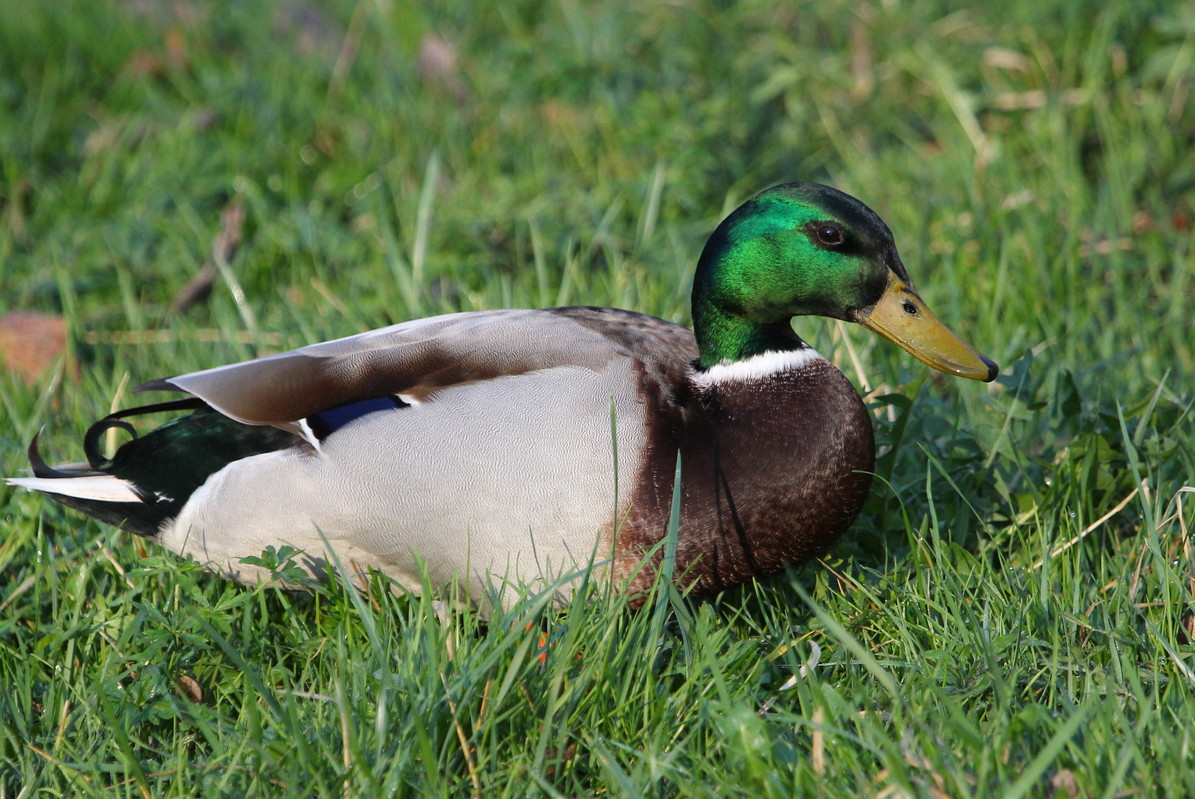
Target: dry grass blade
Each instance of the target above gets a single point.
(817, 755)
(466, 750)
(1090, 528)
(224, 247)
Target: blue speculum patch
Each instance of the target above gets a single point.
(325, 423)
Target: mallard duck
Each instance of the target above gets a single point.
(495, 449)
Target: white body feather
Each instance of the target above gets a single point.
(100, 487)
(485, 485)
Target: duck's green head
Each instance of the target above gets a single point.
(807, 249)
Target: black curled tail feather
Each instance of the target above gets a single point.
(42, 469)
(142, 518)
(116, 420)
(91, 441)
(164, 466)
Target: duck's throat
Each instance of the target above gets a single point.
(724, 338)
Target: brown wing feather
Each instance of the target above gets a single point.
(421, 357)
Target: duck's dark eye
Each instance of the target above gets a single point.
(829, 235)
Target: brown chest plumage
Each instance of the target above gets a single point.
(773, 471)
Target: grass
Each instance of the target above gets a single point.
(1012, 614)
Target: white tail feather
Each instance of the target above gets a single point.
(100, 487)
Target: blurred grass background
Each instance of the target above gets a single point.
(339, 166)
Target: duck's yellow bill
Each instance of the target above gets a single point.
(903, 317)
